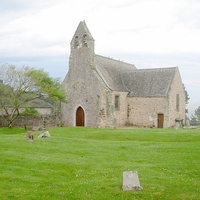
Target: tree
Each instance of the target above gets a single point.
(195, 118)
(19, 86)
(187, 98)
(197, 113)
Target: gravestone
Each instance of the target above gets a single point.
(29, 136)
(45, 134)
(131, 181)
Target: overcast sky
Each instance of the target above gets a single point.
(146, 33)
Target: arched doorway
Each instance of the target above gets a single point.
(80, 117)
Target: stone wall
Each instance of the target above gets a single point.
(31, 121)
(143, 112)
(121, 111)
(81, 84)
(176, 88)
(106, 113)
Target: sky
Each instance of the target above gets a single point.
(146, 33)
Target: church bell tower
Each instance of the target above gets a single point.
(82, 48)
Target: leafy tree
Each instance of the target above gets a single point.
(195, 118)
(187, 98)
(197, 114)
(19, 86)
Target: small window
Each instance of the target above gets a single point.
(117, 102)
(177, 102)
(76, 42)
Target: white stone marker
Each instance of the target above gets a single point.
(131, 181)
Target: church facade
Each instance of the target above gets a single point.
(103, 92)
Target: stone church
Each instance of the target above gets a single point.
(103, 92)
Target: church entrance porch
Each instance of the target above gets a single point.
(80, 117)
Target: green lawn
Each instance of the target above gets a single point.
(87, 164)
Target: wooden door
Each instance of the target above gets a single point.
(80, 117)
(160, 120)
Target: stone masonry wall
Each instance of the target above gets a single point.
(82, 88)
(177, 88)
(30, 121)
(106, 115)
(143, 111)
(109, 115)
(121, 112)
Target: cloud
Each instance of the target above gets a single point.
(147, 33)
(149, 26)
(9, 6)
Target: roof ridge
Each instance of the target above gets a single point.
(160, 68)
(113, 59)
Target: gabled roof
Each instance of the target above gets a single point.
(149, 82)
(110, 71)
(120, 76)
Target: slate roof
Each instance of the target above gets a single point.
(110, 71)
(120, 76)
(149, 82)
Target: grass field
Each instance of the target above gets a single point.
(87, 164)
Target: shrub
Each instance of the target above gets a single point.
(30, 111)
